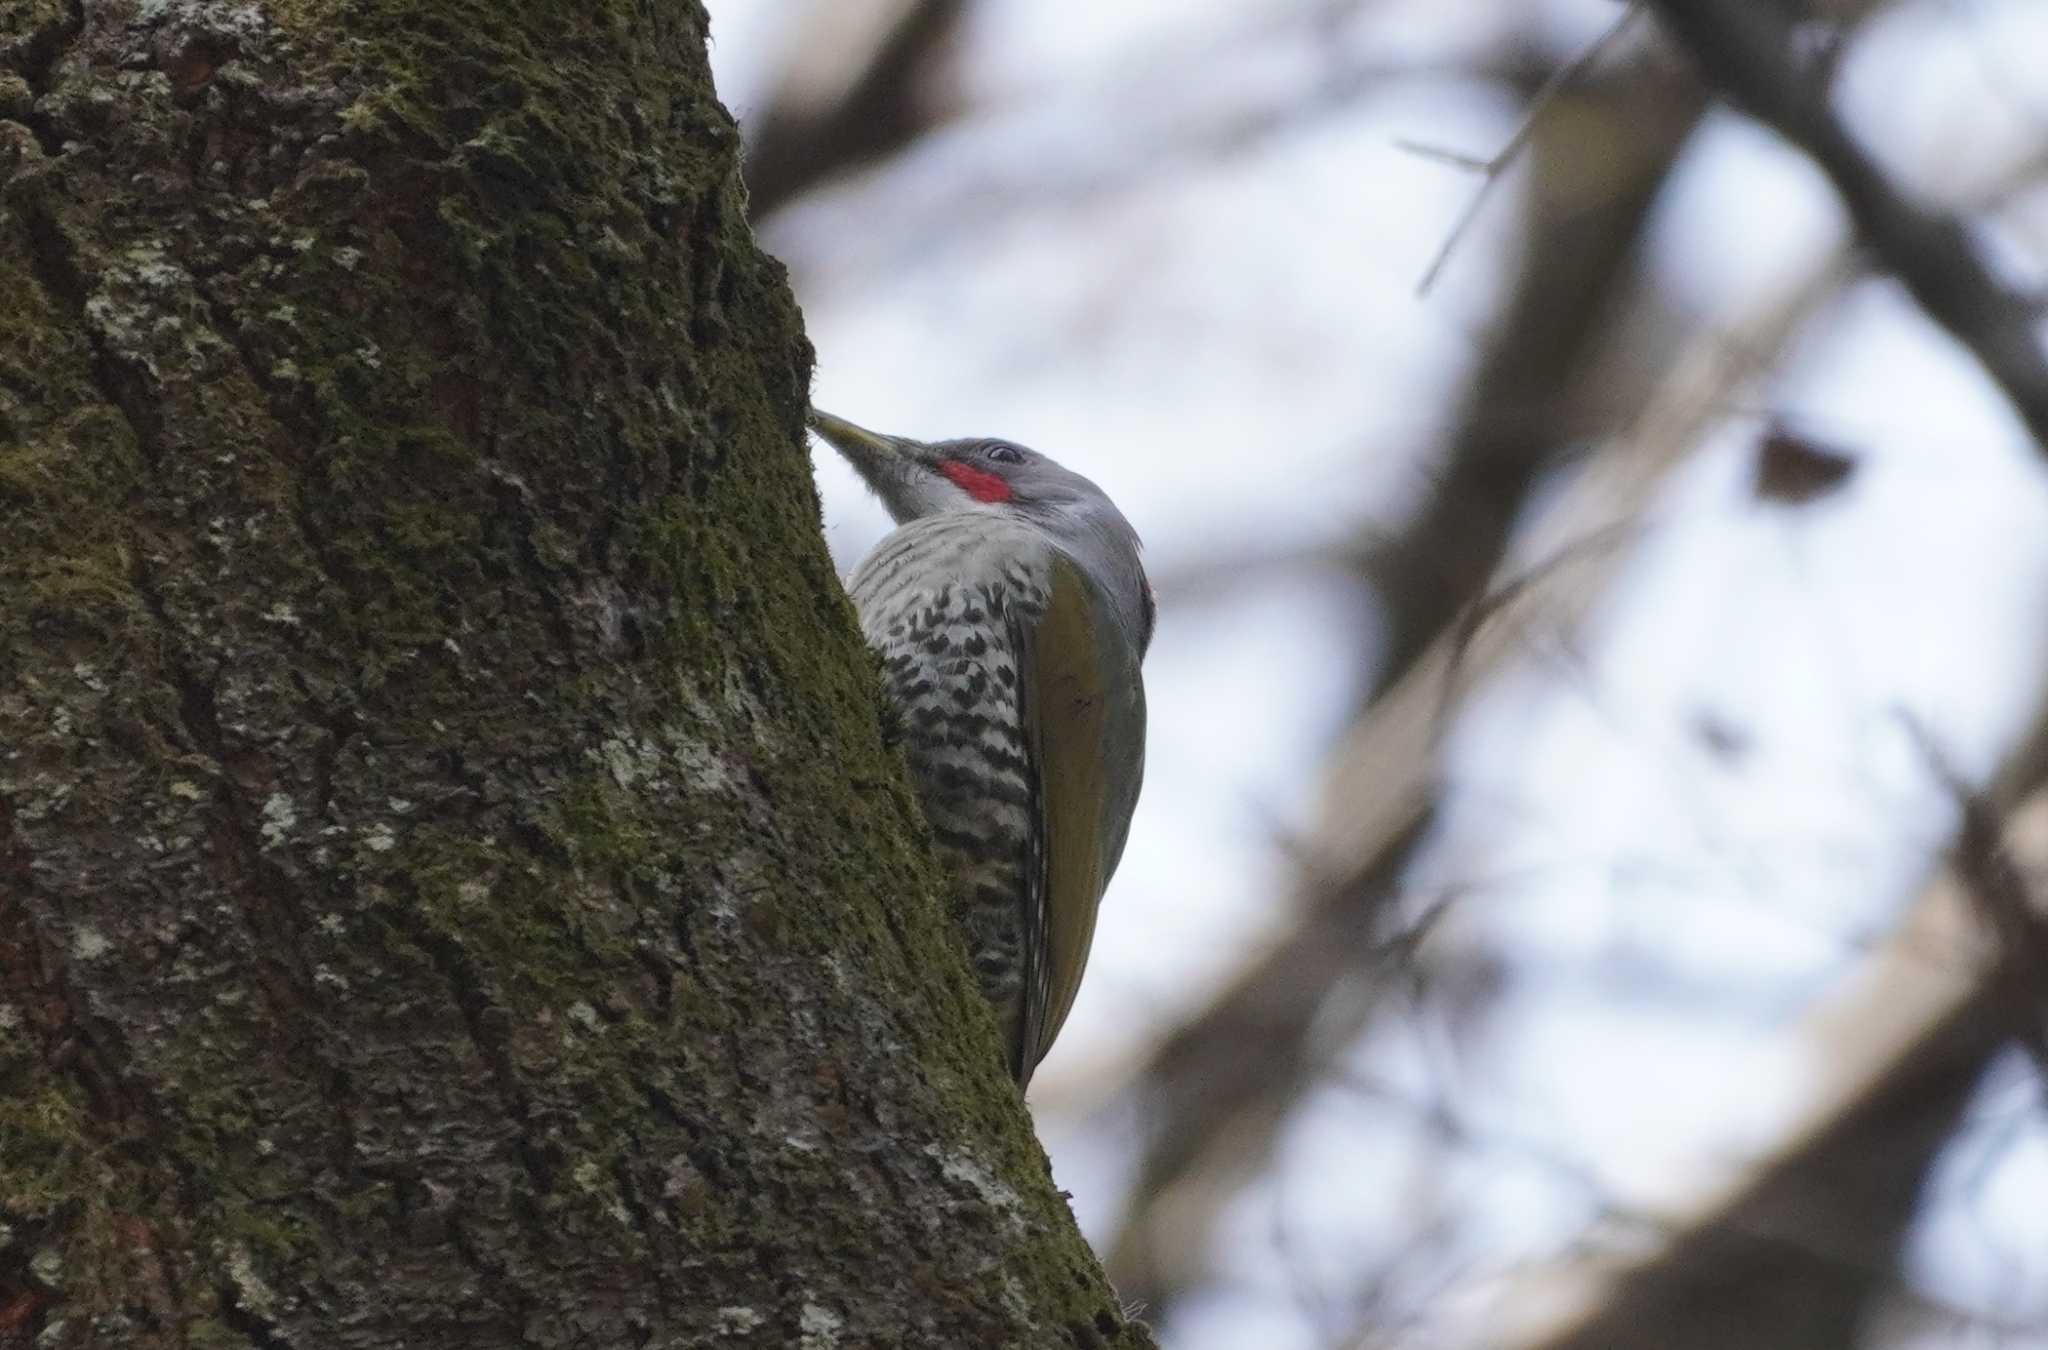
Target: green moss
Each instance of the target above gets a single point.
(24, 22)
(93, 589)
(61, 1179)
(67, 466)
(516, 926)
(272, 1236)
(48, 1159)
(210, 1333)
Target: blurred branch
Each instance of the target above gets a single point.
(1218, 1083)
(1853, 1261)
(1792, 1262)
(1221, 1081)
(1597, 167)
(1143, 125)
(1492, 169)
(1747, 51)
(875, 110)
(1798, 1256)
(1801, 1252)
(2002, 900)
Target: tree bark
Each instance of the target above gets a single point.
(452, 889)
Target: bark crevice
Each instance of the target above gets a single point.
(484, 1021)
(35, 59)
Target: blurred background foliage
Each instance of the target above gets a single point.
(1583, 893)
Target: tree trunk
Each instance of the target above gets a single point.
(452, 890)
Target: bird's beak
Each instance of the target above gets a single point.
(872, 453)
(896, 468)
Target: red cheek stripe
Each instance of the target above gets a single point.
(979, 484)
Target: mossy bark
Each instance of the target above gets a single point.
(452, 891)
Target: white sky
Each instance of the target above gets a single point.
(1233, 346)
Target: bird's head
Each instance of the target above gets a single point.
(915, 479)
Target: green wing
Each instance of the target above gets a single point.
(1086, 706)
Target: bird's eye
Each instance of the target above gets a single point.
(1003, 453)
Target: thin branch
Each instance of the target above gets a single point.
(1457, 159)
(1747, 51)
(1495, 168)
(1545, 381)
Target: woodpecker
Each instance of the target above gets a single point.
(1012, 615)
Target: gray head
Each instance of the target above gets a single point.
(916, 479)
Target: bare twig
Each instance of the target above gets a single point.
(1613, 538)
(1542, 384)
(1494, 167)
